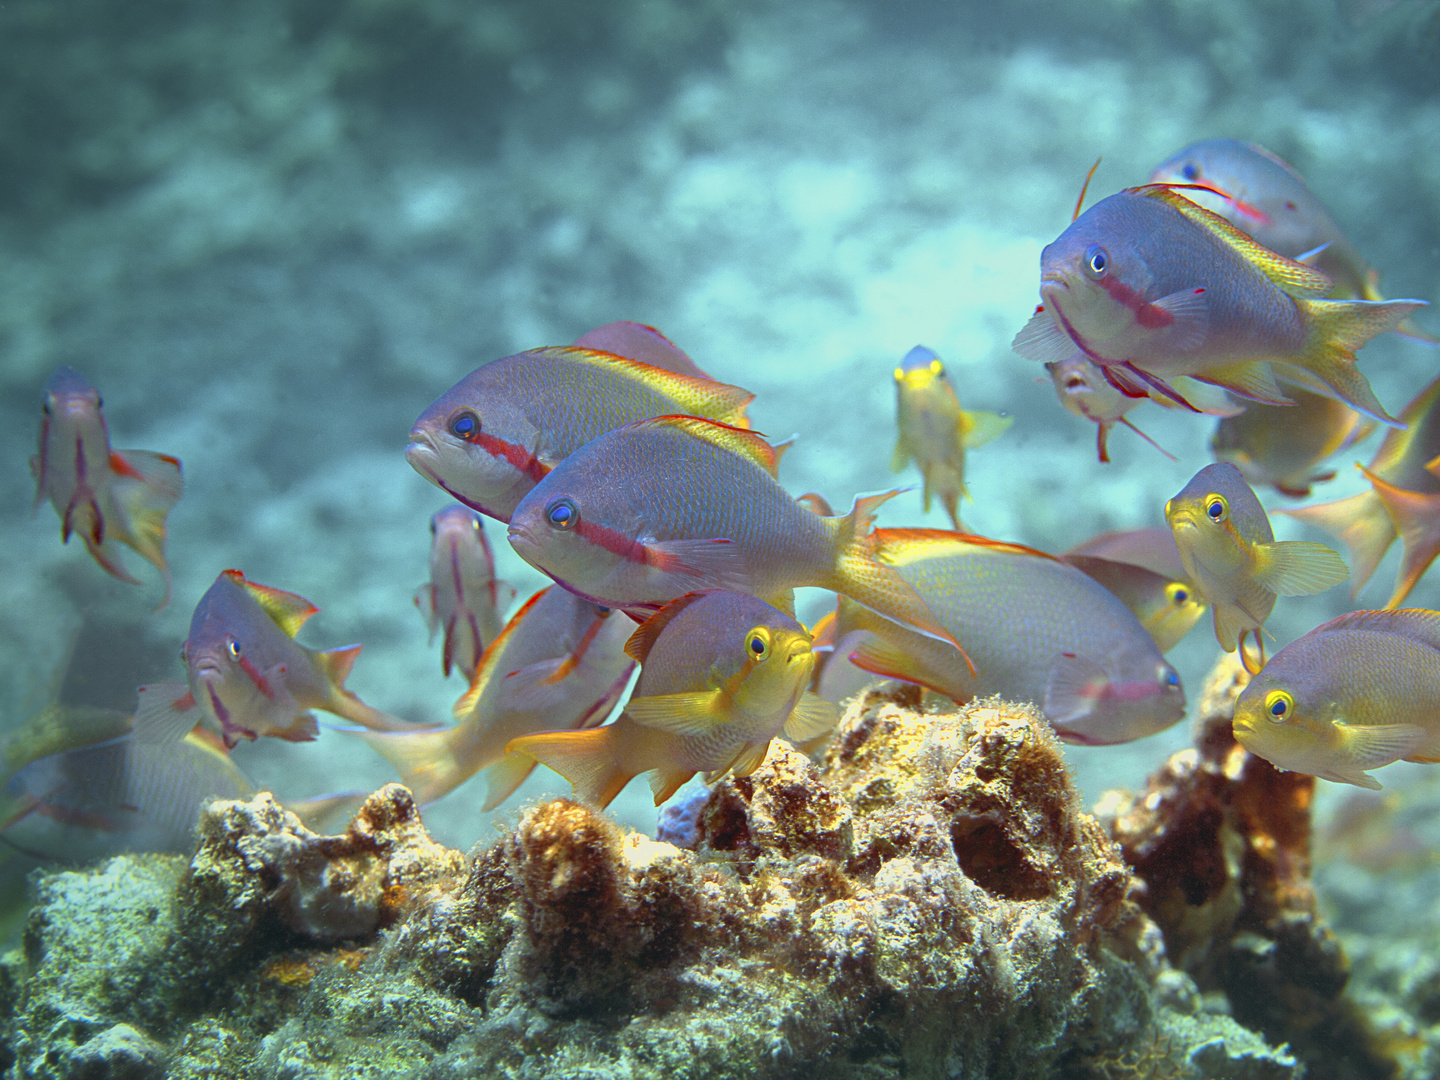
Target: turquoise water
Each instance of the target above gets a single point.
(271, 238)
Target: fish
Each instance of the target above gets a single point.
(1234, 561)
(463, 596)
(659, 508)
(1168, 608)
(559, 664)
(636, 341)
(1037, 630)
(1083, 389)
(1154, 549)
(1403, 500)
(934, 431)
(1262, 194)
(722, 674)
(1354, 694)
(104, 496)
(1150, 286)
(1282, 446)
(495, 434)
(249, 677)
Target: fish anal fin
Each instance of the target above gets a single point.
(665, 782)
(812, 716)
(1253, 379)
(288, 610)
(1297, 567)
(304, 728)
(585, 758)
(698, 713)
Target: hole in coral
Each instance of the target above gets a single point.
(993, 862)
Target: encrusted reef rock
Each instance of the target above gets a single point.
(1220, 841)
(928, 901)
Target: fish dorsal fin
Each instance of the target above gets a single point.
(1417, 624)
(485, 669)
(695, 392)
(643, 639)
(900, 547)
(747, 444)
(1295, 278)
(287, 609)
(637, 341)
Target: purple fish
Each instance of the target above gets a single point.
(462, 596)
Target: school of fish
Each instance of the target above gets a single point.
(632, 478)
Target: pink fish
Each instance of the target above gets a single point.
(559, 664)
(462, 595)
(102, 495)
(636, 341)
(248, 676)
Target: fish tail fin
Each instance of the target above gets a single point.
(586, 758)
(859, 574)
(1360, 522)
(146, 490)
(1370, 290)
(503, 777)
(1416, 517)
(1336, 329)
(430, 763)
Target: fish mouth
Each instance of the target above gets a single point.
(420, 451)
(524, 544)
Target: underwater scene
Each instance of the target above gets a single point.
(698, 539)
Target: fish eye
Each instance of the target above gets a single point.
(562, 514)
(1278, 705)
(1169, 676)
(1097, 261)
(758, 643)
(233, 648)
(1179, 594)
(1216, 508)
(936, 367)
(465, 425)
(899, 374)
(1191, 171)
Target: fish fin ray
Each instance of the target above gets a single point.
(1041, 340)
(1075, 684)
(503, 777)
(166, 713)
(812, 716)
(696, 713)
(288, 610)
(1297, 567)
(978, 428)
(585, 758)
(643, 639)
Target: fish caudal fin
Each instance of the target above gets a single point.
(1416, 518)
(1360, 522)
(503, 777)
(586, 758)
(427, 761)
(861, 576)
(1336, 329)
(1297, 567)
(145, 491)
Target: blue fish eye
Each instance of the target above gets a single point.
(1216, 510)
(234, 648)
(1097, 261)
(1172, 679)
(465, 425)
(757, 646)
(1190, 171)
(562, 514)
(1181, 596)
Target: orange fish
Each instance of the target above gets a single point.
(559, 664)
(1403, 500)
(249, 677)
(462, 595)
(102, 495)
(722, 674)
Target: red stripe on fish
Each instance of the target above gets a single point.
(121, 467)
(513, 453)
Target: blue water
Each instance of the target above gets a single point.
(272, 237)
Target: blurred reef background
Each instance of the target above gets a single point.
(271, 233)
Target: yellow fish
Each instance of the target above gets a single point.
(722, 674)
(1231, 555)
(1354, 694)
(1283, 445)
(1168, 608)
(934, 431)
(1404, 500)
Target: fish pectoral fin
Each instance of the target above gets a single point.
(425, 601)
(978, 428)
(166, 713)
(304, 728)
(1040, 339)
(1297, 567)
(1370, 746)
(900, 458)
(691, 565)
(1076, 683)
(534, 687)
(1189, 311)
(503, 777)
(698, 713)
(811, 717)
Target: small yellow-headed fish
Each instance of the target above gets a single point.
(249, 677)
(102, 495)
(1037, 630)
(1149, 285)
(1356, 693)
(636, 341)
(1404, 499)
(494, 435)
(656, 509)
(1168, 608)
(1082, 388)
(559, 664)
(463, 595)
(1283, 445)
(1233, 559)
(721, 675)
(934, 431)
(1262, 194)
